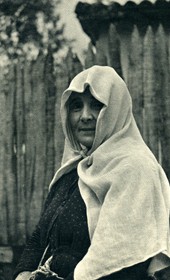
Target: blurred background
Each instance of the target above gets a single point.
(43, 45)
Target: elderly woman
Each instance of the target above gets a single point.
(107, 212)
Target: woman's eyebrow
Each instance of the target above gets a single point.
(72, 100)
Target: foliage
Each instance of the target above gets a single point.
(29, 26)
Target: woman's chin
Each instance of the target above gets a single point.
(87, 142)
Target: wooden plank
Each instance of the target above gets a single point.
(114, 49)
(90, 59)
(162, 53)
(50, 90)
(39, 138)
(20, 153)
(135, 82)
(101, 44)
(102, 50)
(151, 119)
(125, 29)
(73, 65)
(62, 81)
(10, 182)
(3, 204)
(30, 150)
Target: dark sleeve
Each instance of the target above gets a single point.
(163, 274)
(70, 276)
(31, 255)
(34, 250)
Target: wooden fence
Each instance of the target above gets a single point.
(142, 58)
(31, 139)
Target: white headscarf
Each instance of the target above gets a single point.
(125, 190)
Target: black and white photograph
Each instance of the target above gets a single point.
(84, 139)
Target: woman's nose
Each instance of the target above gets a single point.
(86, 114)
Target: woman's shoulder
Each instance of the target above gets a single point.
(65, 179)
(63, 183)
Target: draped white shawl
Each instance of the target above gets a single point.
(125, 190)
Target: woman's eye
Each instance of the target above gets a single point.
(76, 106)
(96, 105)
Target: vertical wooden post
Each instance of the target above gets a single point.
(38, 141)
(61, 85)
(30, 150)
(20, 153)
(3, 199)
(135, 82)
(50, 92)
(73, 65)
(114, 50)
(10, 163)
(102, 48)
(163, 89)
(151, 120)
(90, 57)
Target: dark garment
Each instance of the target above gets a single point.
(63, 226)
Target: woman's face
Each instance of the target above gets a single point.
(83, 112)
